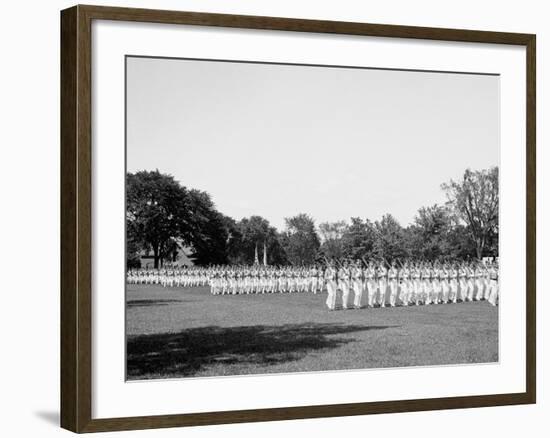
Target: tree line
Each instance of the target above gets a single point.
(163, 218)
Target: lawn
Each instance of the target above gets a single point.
(183, 332)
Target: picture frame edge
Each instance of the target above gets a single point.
(531, 219)
(68, 312)
(75, 226)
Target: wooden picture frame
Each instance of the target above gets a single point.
(76, 218)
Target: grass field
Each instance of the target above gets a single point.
(177, 332)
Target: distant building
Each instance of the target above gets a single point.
(182, 258)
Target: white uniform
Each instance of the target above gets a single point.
(427, 286)
(372, 286)
(494, 293)
(330, 277)
(344, 284)
(382, 286)
(393, 286)
(445, 285)
(405, 286)
(358, 287)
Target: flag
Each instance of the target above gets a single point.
(256, 261)
(265, 255)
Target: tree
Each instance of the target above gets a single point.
(209, 232)
(234, 238)
(460, 243)
(390, 241)
(358, 239)
(171, 250)
(475, 201)
(251, 233)
(331, 237)
(158, 212)
(164, 217)
(301, 242)
(132, 254)
(429, 233)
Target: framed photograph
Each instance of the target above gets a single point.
(271, 218)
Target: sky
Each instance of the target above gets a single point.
(278, 140)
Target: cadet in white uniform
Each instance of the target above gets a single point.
(358, 285)
(471, 281)
(416, 275)
(381, 274)
(393, 284)
(427, 285)
(405, 285)
(479, 283)
(494, 292)
(344, 284)
(372, 284)
(331, 279)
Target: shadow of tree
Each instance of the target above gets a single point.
(150, 303)
(185, 353)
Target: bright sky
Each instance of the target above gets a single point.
(277, 140)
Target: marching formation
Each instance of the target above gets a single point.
(360, 284)
(171, 277)
(349, 284)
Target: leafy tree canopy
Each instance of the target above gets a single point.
(475, 201)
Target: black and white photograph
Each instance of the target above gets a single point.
(291, 218)
(274, 219)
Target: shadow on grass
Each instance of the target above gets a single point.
(150, 303)
(186, 353)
